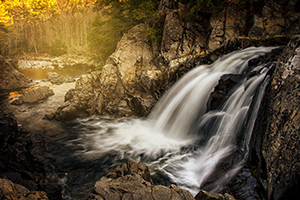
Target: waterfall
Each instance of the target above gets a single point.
(182, 141)
(186, 101)
(181, 113)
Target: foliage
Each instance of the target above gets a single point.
(154, 30)
(114, 19)
(153, 34)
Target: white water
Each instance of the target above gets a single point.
(181, 139)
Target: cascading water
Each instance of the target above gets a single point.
(181, 113)
(181, 141)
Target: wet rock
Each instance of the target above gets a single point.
(34, 95)
(132, 180)
(9, 190)
(246, 186)
(226, 83)
(67, 112)
(141, 106)
(49, 116)
(10, 78)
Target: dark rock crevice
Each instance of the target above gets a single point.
(21, 160)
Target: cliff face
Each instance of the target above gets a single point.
(281, 139)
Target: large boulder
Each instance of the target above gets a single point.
(10, 78)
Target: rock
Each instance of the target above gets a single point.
(274, 22)
(292, 17)
(203, 195)
(235, 21)
(9, 190)
(257, 28)
(216, 39)
(132, 180)
(69, 113)
(34, 95)
(183, 38)
(172, 35)
(70, 94)
(10, 78)
(281, 143)
(55, 78)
